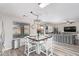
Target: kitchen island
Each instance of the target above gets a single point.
(68, 38)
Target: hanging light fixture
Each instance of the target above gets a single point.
(37, 20)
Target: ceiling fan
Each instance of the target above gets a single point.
(69, 22)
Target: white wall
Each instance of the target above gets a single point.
(61, 26)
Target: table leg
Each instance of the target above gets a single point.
(38, 48)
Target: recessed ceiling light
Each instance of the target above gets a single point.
(42, 5)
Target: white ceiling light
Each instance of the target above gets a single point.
(42, 5)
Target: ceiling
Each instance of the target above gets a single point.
(54, 12)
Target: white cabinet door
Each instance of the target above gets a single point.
(0, 36)
(0, 30)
